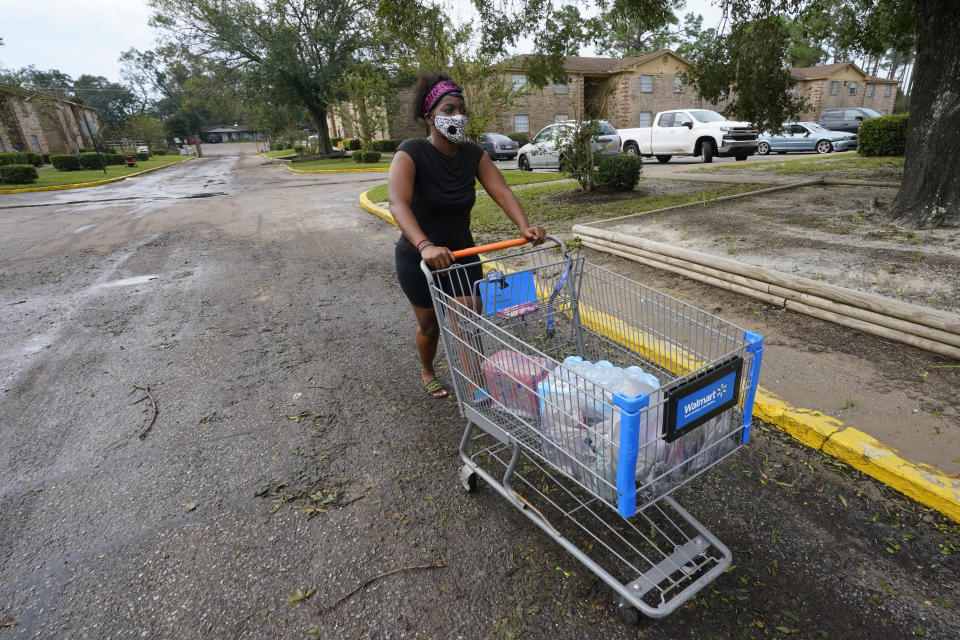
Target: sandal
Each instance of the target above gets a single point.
(435, 389)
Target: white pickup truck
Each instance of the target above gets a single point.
(691, 132)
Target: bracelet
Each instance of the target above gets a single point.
(423, 245)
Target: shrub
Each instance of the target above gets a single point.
(21, 157)
(143, 157)
(354, 145)
(883, 136)
(46, 158)
(65, 161)
(618, 173)
(298, 149)
(90, 161)
(371, 156)
(358, 157)
(160, 152)
(111, 159)
(334, 141)
(520, 138)
(18, 173)
(387, 144)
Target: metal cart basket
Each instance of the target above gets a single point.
(551, 359)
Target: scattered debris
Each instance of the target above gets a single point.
(153, 404)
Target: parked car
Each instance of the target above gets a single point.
(845, 118)
(143, 149)
(805, 136)
(691, 132)
(499, 146)
(542, 151)
(213, 137)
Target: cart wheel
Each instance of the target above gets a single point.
(468, 479)
(628, 613)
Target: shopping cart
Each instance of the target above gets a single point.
(591, 456)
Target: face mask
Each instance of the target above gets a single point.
(453, 128)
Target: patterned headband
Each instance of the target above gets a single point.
(442, 88)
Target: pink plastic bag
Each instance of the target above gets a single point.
(512, 379)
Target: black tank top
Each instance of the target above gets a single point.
(444, 190)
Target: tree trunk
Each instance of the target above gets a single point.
(319, 115)
(930, 193)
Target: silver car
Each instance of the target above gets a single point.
(805, 136)
(542, 151)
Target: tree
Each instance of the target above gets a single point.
(144, 128)
(113, 101)
(366, 89)
(295, 50)
(734, 64)
(429, 41)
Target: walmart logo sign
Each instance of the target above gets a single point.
(704, 400)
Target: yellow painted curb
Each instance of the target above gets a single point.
(923, 483)
(376, 209)
(81, 185)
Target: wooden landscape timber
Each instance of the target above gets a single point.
(929, 329)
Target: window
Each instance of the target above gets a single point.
(3, 149)
(834, 87)
(646, 118)
(560, 117)
(519, 81)
(677, 84)
(521, 124)
(797, 129)
(545, 134)
(887, 90)
(870, 89)
(853, 88)
(646, 84)
(561, 88)
(35, 143)
(793, 90)
(666, 119)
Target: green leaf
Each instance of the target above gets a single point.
(299, 595)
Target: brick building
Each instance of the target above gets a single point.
(31, 121)
(627, 92)
(843, 84)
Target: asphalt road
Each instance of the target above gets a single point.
(295, 449)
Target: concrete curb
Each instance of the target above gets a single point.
(923, 483)
(81, 185)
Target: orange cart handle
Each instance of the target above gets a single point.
(504, 244)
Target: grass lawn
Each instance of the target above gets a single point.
(513, 178)
(283, 153)
(838, 165)
(50, 177)
(559, 206)
(338, 163)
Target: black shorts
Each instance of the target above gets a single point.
(414, 283)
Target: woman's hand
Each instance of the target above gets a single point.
(437, 257)
(536, 235)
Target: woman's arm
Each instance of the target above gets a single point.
(494, 184)
(400, 194)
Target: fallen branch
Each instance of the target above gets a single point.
(153, 404)
(6, 623)
(324, 609)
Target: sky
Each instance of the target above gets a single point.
(87, 36)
